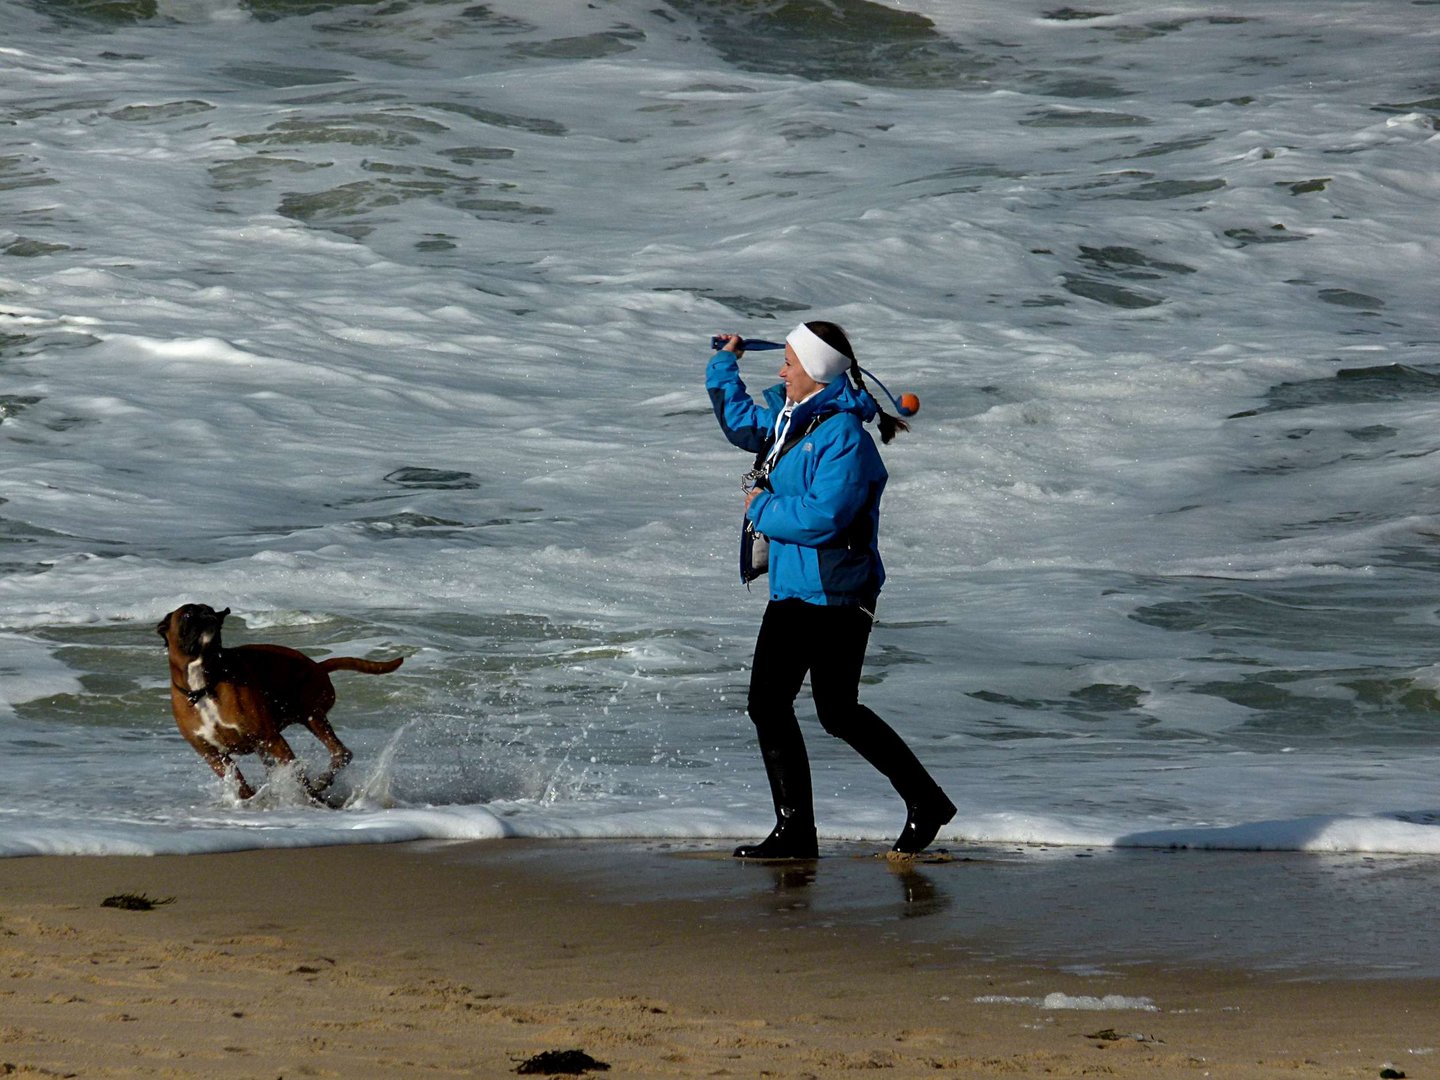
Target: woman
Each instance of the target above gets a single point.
(816, 497)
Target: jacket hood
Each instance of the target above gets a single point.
(838, 395)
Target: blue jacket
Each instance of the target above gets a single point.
(822, 514)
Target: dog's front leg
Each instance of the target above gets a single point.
(276, 751)
(225, 769)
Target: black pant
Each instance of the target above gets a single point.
(829, 643)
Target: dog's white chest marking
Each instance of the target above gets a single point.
(211, 720)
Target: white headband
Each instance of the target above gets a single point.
(823, 362)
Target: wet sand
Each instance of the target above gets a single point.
(671, 960)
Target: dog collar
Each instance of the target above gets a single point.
(193, 696)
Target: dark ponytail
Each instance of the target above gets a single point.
(832, 335)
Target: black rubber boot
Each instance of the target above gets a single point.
(790, 839)
(927, 808)
(787, 766)
(923, 819)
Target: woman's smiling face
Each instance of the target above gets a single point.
(798, 383)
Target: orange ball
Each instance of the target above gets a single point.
(909, 404)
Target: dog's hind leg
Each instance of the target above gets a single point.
(340, 754)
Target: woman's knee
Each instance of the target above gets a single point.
(765, 712)
(840, 719)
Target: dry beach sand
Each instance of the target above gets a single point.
(676, 961)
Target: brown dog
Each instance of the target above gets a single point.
(237, 701)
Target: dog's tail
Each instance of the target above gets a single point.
(354, 663)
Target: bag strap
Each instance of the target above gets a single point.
(762, 469)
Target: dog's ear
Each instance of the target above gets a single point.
(221, 614)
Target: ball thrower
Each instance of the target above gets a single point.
(906, 404)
